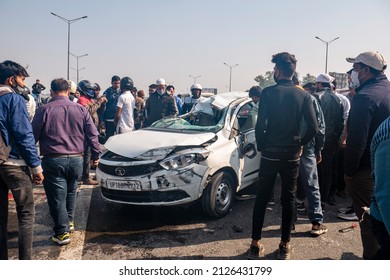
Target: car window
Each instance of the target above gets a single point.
(246, 119)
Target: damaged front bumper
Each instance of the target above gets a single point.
(162, 187)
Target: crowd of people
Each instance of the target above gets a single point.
(303, 132)
(320, 142)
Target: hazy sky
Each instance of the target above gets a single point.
(149, 39)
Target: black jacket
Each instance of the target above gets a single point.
(369, 108)
(281, 109)
(333, 111)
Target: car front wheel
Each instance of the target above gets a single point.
(218, 196)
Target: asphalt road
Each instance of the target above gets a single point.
(110, 231)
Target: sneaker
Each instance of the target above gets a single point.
(345, 209)
(256, 252)
(71, 226)
(90, 182)
(271, 201)
(61, 239)
(285, 251)
(293, 231)
(349, 216)
(318, 229)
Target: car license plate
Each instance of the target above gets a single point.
(124, 185)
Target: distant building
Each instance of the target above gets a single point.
(209, 90)
(341, 80)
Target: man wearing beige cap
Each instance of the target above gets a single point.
(369, 108)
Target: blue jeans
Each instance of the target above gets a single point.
(288, 170)
(309, 179)
(18, 180)
(60, 183)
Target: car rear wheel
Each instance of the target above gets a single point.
(218, 196)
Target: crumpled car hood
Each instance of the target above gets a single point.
(135, 144)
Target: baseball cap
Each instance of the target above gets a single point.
(372, 59)
(324, 78)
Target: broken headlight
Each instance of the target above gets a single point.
(184, 159)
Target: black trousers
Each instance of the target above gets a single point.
(288, 170)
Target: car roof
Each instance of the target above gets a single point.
(222, 100)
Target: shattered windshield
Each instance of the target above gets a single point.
(202, 118)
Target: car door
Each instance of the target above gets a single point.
(244, 121)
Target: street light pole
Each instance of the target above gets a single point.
(327, 45)
(230, 81)
(77, 58)
(69, 22)
(195, 77)
(78, 70)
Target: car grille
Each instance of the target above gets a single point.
(134, 170)
(144, 196)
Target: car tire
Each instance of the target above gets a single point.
(219, 194)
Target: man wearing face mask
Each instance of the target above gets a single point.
(369, 108)
(278, 137)
(160, 104)
(23, 158)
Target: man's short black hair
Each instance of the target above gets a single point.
(153, 86)
(9, 68)
(115, 79)
(58, 85)
(169, 87)
(310, 86)
(285, 62)
(255, 91)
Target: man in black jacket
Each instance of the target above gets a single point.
(37, 89)
(369, 108)
(334, 123)
(278, 137)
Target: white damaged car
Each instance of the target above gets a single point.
(208, 154)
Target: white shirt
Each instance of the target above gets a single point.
(126, 101)
(346, 108)
(31, 107)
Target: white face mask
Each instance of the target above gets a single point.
(355, 79)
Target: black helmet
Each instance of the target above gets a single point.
(87, 88)
(127, 83)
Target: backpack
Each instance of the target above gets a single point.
(4, 149)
